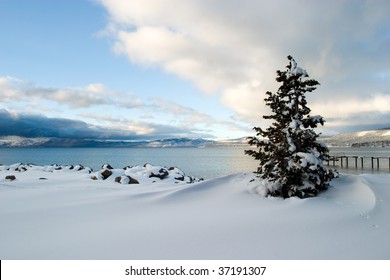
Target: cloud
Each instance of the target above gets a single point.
(13, 90)
(26, 125)
(188, 117)
(233, 48)
(378, 103)
(33, 125)
(372, 112)
(122, 111)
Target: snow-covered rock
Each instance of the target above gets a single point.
(147, 173)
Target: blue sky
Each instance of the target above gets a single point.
(181, 68)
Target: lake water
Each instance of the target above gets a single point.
(199, 162)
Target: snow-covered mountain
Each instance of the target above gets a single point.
(15, 141)
(373, 138)
(238, 142)
(177, 142)
(361, 138)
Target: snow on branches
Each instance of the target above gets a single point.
(289, 154)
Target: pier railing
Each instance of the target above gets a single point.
(359, 161)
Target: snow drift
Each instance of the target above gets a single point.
(67, 215)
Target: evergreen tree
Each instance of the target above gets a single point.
(289, 154)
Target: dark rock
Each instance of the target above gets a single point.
(21, 169)
(78, 167)
(120, 179)
(181, 178)
(191, 179)
(132, 180)
(107, 166)
(94, 178)
(106, 173)
(56, 166)
(42, 178)
(162, 174)
(10, 177)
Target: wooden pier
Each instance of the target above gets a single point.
(358, 161)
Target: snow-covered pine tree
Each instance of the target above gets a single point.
(289, 154)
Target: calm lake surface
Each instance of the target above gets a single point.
(199, 162)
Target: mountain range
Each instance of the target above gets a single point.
(375, 138)
(367, 138)
(16, 141)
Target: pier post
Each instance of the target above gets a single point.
(362, 158)
(355, 161)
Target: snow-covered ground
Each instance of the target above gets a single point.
(63, 214)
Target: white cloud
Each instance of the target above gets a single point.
(96, 88)
(14, 90)
(356, 111)
(102, 106)
(122, 124)
(188, 117)
(234, 47)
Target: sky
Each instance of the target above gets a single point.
(124, 69)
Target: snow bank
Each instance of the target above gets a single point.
(128, 175)
(68, 215)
